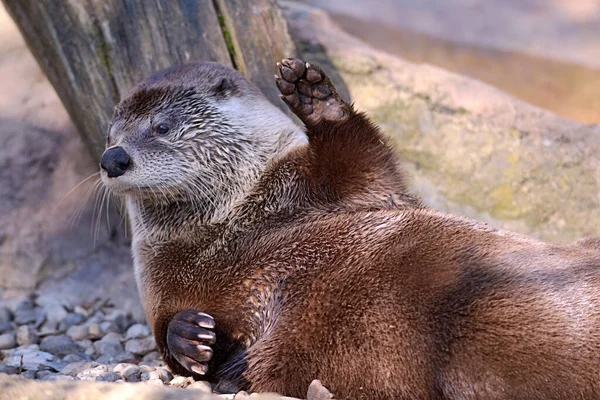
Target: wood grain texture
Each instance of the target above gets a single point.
(260, 37)
(94, 51)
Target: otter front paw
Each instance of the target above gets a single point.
(309, 93)
(189, 337)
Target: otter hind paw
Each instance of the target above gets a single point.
(309, 93)
(189, 337)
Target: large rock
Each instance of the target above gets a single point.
(51, 238)
(469, 148)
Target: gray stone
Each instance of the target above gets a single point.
(162, 374)
(7, 341)
(112, 337)
(108, 348)
(26, 335)
(152, 356)
(124, 357)
(70, 320)
(142, 346)
(137, 331)
(29, 374)
(119, 368)
(109, 327)
(31, 359)
(5, 369)
(42, 374)
(5, 315)
(74, 368)
(90, 374)
(78, 332)
(109, 377)
(60, 345)
(72, 358)
(132, 373)
(6, 327)
(55, 313)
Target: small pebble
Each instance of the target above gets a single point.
(7, 341)
(29, 374)
(119, 368)
(81, 310)
(59, 345)
(5, 315)
(132, 373)
(125, 358)
(95, 331)
(73, 358)
(181, 381)
(241, 395)
(42, 374)
(6, 327)
(92, 373)
(109, 326)
(108, 348)
(76, 367)
(152, 356)
(137, 331)
(70, 320)
(200, 385)
(26, 335)
(5, 369)
(142, 346)
(109, 377)
(78, 332)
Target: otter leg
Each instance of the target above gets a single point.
(349, 160)
(189, 339)
(309, 93)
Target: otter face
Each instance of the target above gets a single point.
(194, 130)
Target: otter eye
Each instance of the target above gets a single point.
(162, 129)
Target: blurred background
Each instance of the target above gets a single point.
(546, 52)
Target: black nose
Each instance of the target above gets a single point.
(115, 161)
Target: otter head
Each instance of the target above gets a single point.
(198, 132)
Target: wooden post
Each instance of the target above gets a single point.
(94, 51)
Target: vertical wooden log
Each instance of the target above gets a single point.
(258, 37)
(93, 51)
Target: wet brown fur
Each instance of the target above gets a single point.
(329, 269)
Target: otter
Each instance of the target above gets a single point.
(269, 256)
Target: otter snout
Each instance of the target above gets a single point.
(115, 161)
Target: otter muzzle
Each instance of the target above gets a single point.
(115, 161)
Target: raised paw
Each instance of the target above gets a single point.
(309, 92)
(189, 337)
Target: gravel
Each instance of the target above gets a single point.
(51, 340)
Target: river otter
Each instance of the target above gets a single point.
(270, 256)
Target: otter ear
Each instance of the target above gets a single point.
(225, 87)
